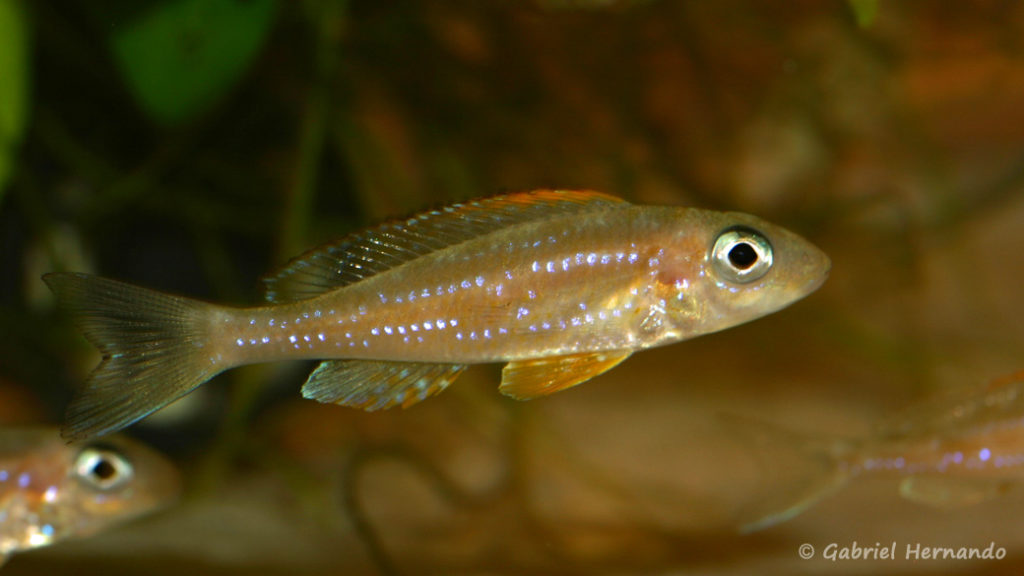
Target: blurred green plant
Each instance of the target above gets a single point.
(864, 11)
(13, 85)
(179, 57)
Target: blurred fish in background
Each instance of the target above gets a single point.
(50, 491)
(952, 451)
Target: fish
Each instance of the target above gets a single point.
(51, 491)
(561, 285)
(948, 451)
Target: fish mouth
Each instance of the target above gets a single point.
(817, 267)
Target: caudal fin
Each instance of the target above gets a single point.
(797, 471)
(154, 345)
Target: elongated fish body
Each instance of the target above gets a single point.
(553, 287)
(50, 491)
(951, 451)
(977, 433)
(562, 285)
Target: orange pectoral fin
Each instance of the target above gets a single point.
(526, 379)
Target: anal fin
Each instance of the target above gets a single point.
(374, 385)
(951, 491)
(526, 379)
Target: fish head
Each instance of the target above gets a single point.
(738, 268)
(116, 479)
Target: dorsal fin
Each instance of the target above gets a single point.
(956, 409)
(375, 250)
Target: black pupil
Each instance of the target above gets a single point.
(104, 470)
(742, 256)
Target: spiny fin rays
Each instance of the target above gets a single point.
(391, 244)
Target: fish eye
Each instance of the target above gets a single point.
(103, 468)
(741, 255)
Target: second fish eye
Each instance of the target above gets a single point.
(741, 255)
(103, 468)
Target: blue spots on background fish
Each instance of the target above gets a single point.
(1008, 461)
(51, 491)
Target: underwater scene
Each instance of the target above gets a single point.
(512, 287)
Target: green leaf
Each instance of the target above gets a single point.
(864, 11)
(179, 57)
(13, 85)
